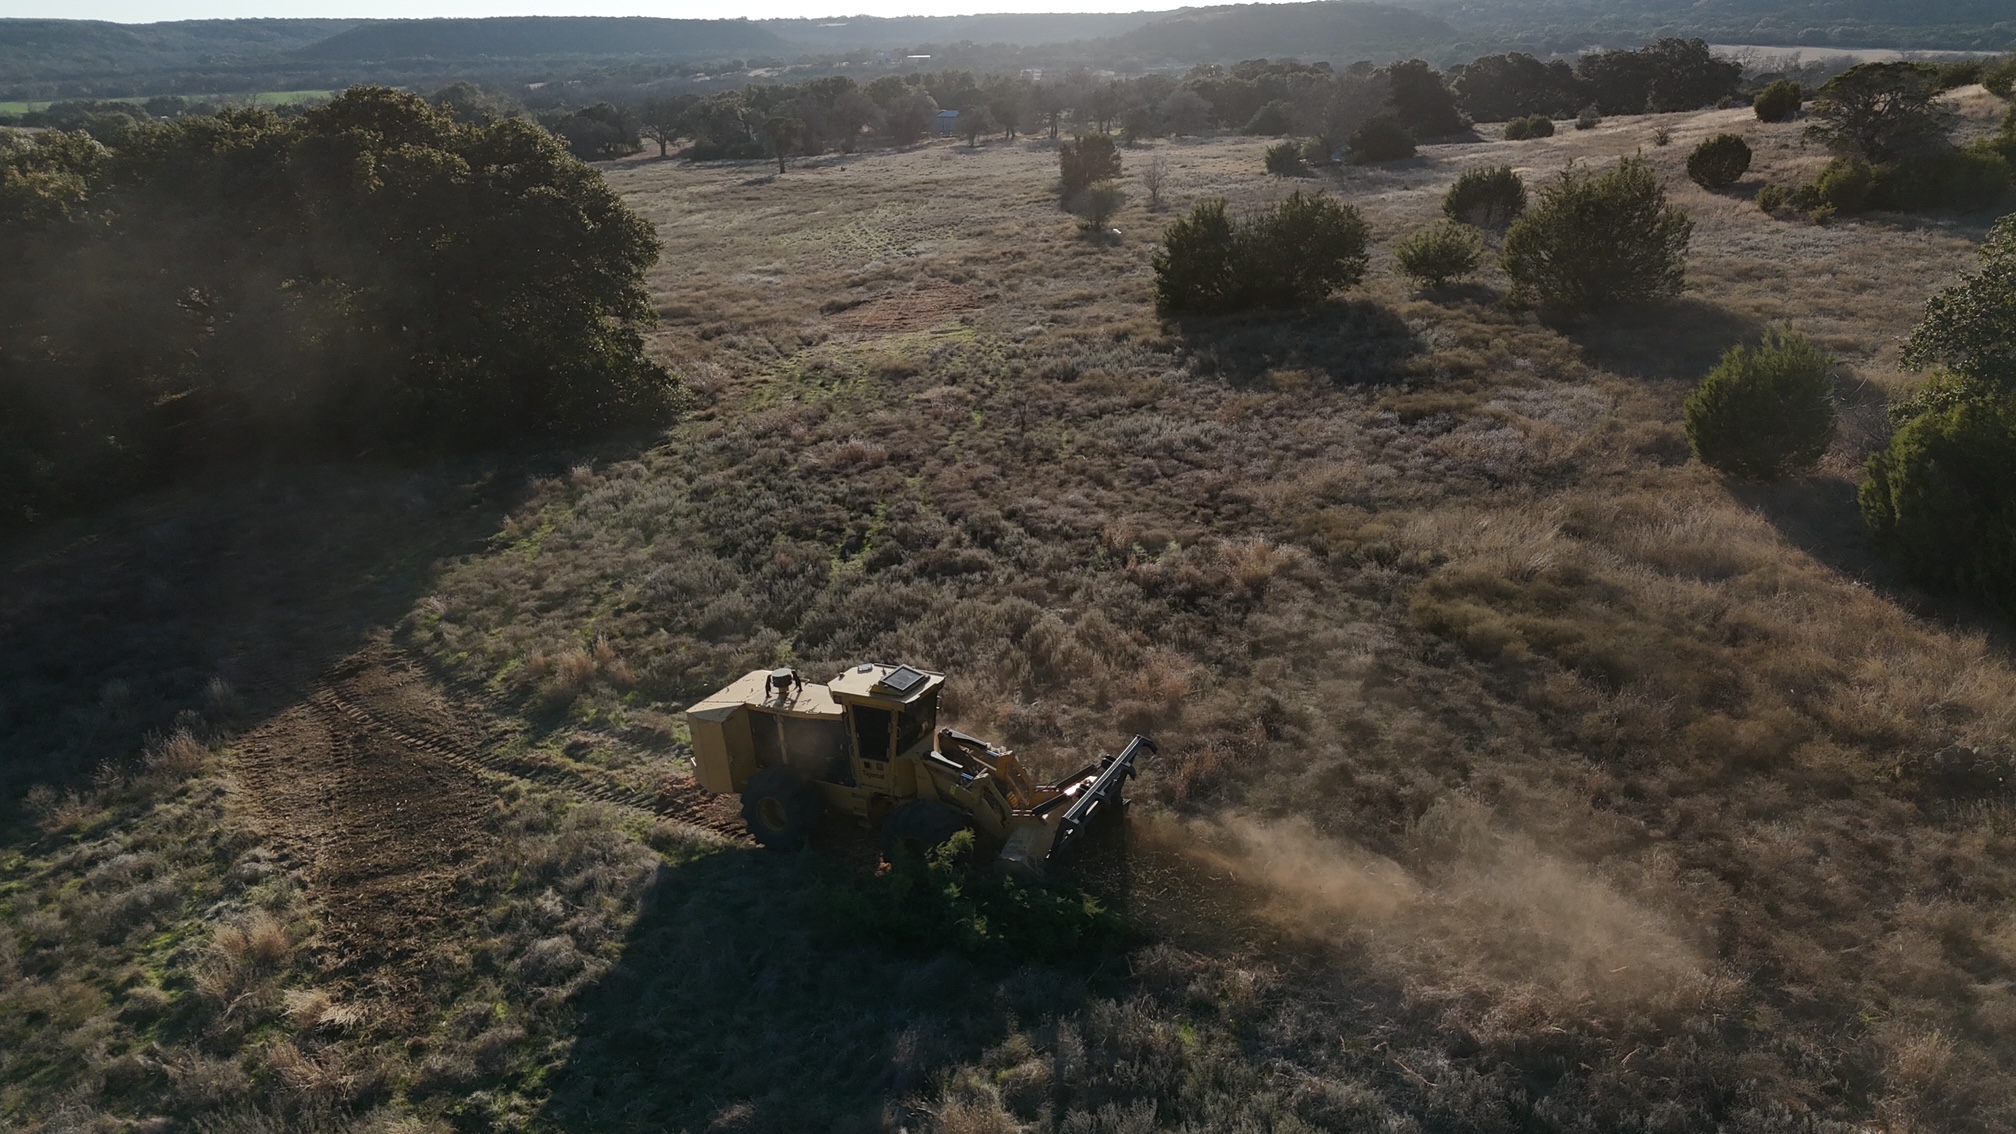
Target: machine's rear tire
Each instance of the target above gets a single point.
(779, 809)
(919, 827)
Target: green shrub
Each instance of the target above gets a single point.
(1940, 501)
(1096, 203)
(1824, 215)
(2004, 143)
(2000, 79)
(726, 151)
(1381, 138)
(1492, 195)
(923, 905)
(1302, 250)
(1588, 118)
(1085, 160)
(1662, 135)
(1531, 126)
(1271, 120)
(1762, 414)
(1297, 252)
(1973, 178)
(1971, 326)
(1439, 253)
(1843, 186)
(1719, 162)
(1942, 391)
(1196, 269)
(1284, 159)
(1778, 101)
(1959, 73)
(1600, 240)
(1771, 198)
(1316, 151)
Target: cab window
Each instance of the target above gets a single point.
(871, 730)
(911, 726)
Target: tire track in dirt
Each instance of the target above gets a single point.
(361, 700)
(379, 788)
(385, 832)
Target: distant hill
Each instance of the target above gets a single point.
(534, 37)
(49, 59)
(58, 46)
(1316, 30)
(854, 32)
(1981, 24)
(1338, 30)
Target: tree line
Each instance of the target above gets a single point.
(1272, 97)
(369, 276)
(1404, 101)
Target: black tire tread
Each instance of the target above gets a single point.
(801, 808)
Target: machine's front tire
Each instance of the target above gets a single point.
(779, 809)
(919, 827)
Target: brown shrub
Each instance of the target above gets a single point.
(241, 957)
(176, 756)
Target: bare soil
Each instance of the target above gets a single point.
(379, 784)
(385, 826)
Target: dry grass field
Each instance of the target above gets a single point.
(1517, 772)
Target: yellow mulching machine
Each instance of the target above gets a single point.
(867, 744)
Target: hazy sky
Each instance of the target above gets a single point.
(147, 11)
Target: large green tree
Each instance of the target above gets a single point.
(1672, 74)
(1498, 88)
(1420, 100)
(370, 276)
(1880, 111)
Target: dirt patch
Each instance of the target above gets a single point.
(385, 827)
(376, 783)
(918, 310)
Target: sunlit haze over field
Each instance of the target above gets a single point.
(148, 11)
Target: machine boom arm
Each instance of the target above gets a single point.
(1102, 791)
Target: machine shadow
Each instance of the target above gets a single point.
(746, 998)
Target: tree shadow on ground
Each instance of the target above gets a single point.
(1681, 340)
(217, 600)
(1822, 516)
(746, 1000)
(1351, 342)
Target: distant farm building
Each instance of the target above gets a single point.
(947, 122)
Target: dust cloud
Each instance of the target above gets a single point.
(1476, 908)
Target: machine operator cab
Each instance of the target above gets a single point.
(849, 733)
(891, 712)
